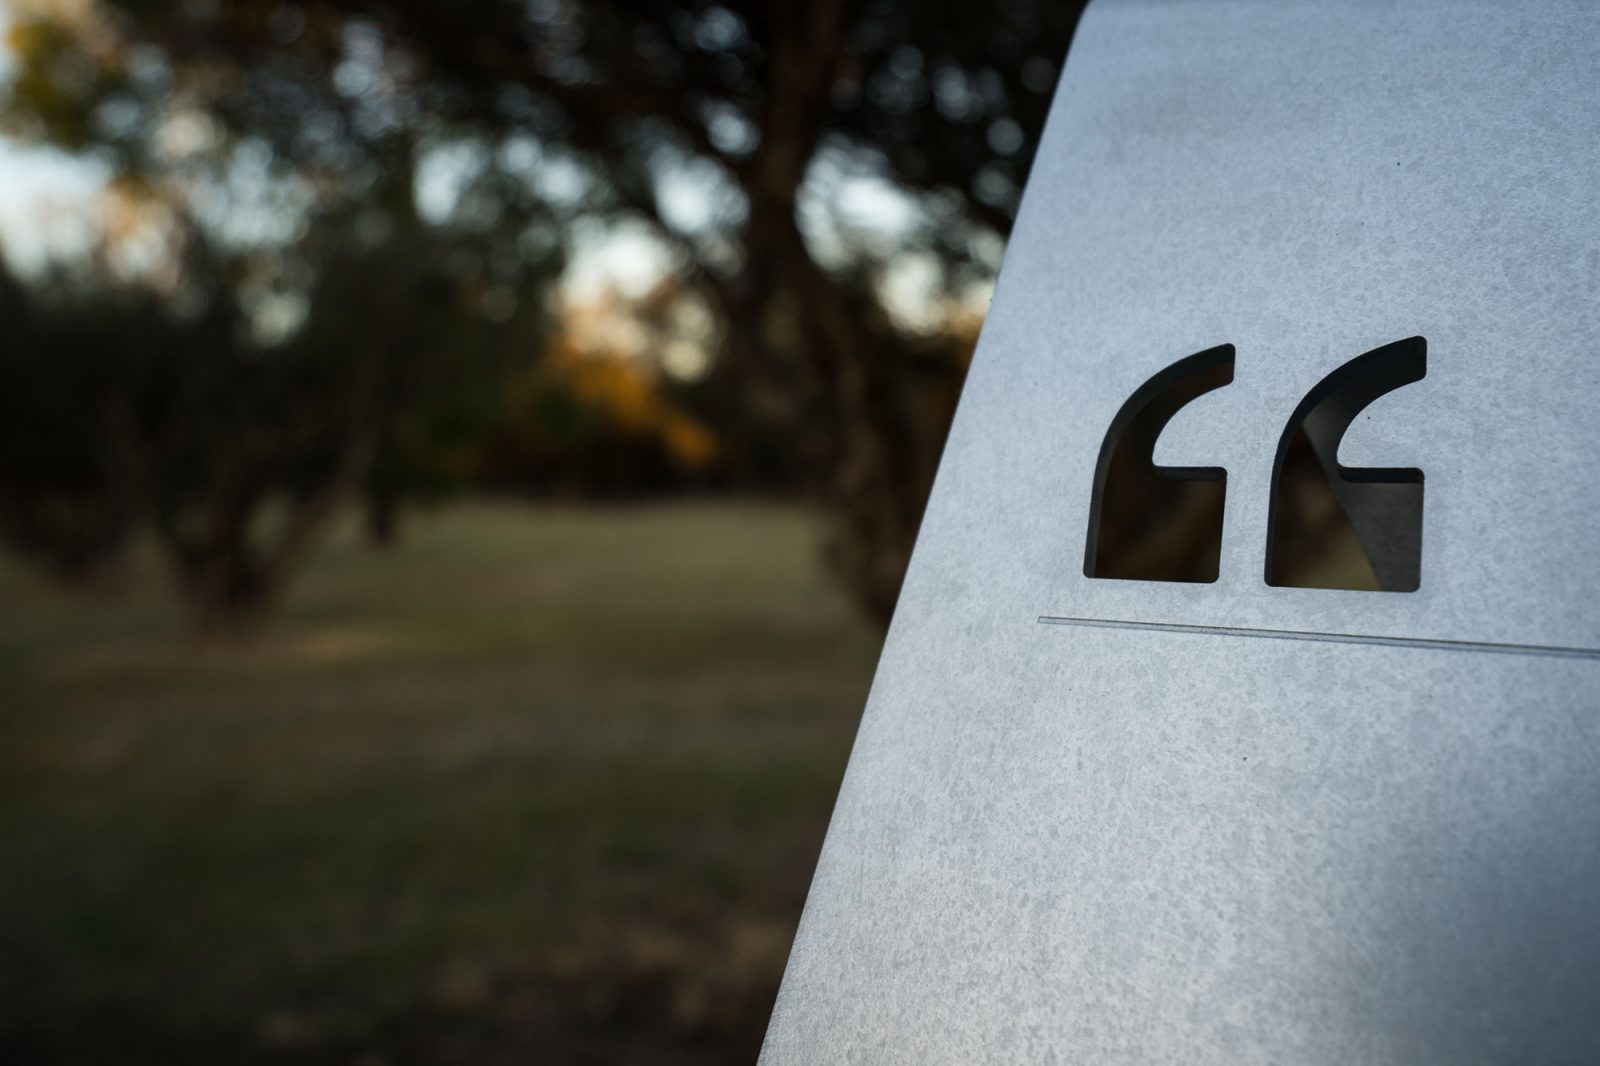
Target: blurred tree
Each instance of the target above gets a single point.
(730, 129)
(247, 453)
(119, 406)
(63, 501)
(595, 418)
(269, 324)
(760, 105)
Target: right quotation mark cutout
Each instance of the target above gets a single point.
(1338, 527)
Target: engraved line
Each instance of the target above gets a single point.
(1552, 650)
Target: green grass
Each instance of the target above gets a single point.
(536, 785)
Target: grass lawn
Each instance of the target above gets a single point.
(537, 785)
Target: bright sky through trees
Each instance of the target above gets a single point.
(52, 211)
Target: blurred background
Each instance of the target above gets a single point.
(456, 463)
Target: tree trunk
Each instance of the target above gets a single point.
(877, 483)
(382, 518)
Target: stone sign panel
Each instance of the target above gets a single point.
(1242, 704)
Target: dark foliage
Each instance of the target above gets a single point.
(762, 107)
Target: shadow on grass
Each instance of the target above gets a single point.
(539, 785)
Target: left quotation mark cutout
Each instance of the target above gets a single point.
(1158, 523)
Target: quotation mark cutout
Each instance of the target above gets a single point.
(1158, 523)
(1341, 527)
(1329, 526)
